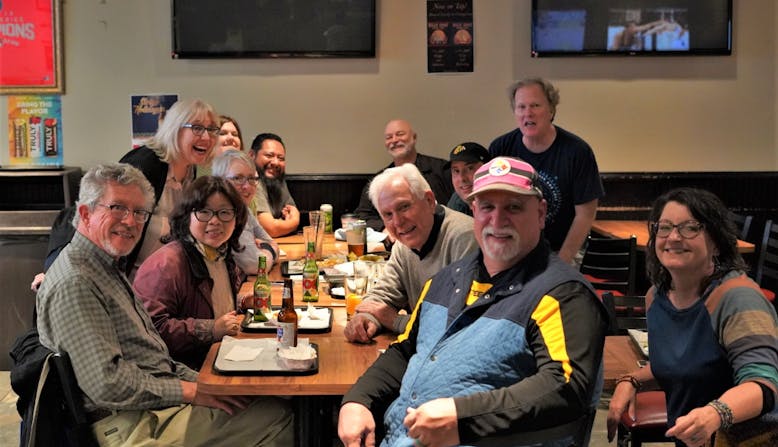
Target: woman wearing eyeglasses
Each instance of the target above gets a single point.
(713, 337)
(239, 169)
(189, 286)
(184, 140)
(229, 138)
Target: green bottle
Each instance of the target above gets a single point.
(262, 310)
(310, 275)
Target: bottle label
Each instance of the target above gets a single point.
(311, 288)
(286, 335)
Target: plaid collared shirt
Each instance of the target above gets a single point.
(87, 308)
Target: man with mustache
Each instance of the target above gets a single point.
(429, 236)
(132, 390)
(400, 143)
(276, 210)
(464, 160)
(568, 172)
(504, 346)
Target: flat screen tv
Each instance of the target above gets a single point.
(273, 28)
(631, 27)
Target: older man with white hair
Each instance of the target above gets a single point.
(428, 237)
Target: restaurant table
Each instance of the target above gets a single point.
(623, 229)
(620, 356)
(341, 363)
(277, 288)
(294, 246)
(317, 396)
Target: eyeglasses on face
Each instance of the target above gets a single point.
(688, 230)
(198, 129)
(224, 215)
(241, 180)
(119, 212)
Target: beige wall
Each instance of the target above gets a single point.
(669, 113)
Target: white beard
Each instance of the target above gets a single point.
(500, 251)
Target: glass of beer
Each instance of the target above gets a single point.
(356, 238)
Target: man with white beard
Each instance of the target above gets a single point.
(503, 347)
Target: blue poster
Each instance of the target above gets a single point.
(147, 112)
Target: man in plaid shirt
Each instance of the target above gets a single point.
(134, 392)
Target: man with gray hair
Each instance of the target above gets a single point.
(132, 390)
(428, 237)
(565, 164)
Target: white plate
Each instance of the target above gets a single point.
(640, 338)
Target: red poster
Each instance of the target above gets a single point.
(30, 46)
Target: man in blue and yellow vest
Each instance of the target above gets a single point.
(503, 347)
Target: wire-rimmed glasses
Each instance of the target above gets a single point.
(119, 212)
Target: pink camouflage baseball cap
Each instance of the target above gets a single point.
(506, 174)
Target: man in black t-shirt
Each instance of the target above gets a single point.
(565, 163)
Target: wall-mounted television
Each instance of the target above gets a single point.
(273, 28)
(631, 27)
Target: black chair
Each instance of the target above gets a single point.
(766, 271)
(650, 424)
(609, 264)
(60, 420)
(625, 312)
(743, 224)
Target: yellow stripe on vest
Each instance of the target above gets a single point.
(549, 320)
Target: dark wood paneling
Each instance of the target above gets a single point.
(628, 195)
(342, 191)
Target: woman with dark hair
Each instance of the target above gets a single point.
(189, 286)
(713, 337)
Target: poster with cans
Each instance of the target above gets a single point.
(147, 112)
(35, 131)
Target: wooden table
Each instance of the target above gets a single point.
(620, 356)
(623, 229)
(341, 363)
(294, 246)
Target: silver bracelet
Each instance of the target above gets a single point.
(725, 413)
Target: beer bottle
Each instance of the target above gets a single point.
(310, 275)
(261, 306)
(286, 334)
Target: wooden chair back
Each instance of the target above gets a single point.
(609, 264)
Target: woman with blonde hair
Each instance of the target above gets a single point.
(184, 139)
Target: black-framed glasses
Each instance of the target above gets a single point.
(688, 230)
(224, 215)
(242, 180)
(119, 212)
(198, 129)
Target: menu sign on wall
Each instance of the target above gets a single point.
(35, 131)
(449, 36)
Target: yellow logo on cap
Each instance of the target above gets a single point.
(458, 149)
(499, 167)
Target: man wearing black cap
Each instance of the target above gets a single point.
(464, 160)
